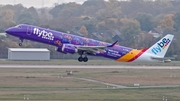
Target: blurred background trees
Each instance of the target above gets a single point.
(137, 23)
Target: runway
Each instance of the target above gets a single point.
(89, 66)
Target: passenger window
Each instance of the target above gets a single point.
(123, 52)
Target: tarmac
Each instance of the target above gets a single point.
(88, 66)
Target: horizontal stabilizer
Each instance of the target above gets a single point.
(165, 59)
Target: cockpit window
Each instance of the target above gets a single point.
(18, 26)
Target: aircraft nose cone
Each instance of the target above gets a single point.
(8, 31)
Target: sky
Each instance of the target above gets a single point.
(38, 3)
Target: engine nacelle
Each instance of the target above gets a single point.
(67, 48)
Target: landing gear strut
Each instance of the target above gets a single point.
(83, 59)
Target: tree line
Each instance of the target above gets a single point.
(134, 19)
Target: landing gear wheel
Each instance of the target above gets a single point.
(80, 59)
(20, 44)
(85, 59)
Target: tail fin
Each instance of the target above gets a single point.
(160, 48)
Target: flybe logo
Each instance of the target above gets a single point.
(161, 45)
(43, 34)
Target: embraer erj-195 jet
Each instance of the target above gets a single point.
(68, 43)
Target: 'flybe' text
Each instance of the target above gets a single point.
(161, 45)
(44, 34)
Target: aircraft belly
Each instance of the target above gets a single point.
(132, 55)
(143, 58)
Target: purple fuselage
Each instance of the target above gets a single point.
(55, 38)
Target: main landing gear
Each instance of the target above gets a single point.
(83, 59)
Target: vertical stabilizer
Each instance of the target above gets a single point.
(160, 48)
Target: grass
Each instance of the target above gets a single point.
(44, 84)
(172, 94)
(39, 78)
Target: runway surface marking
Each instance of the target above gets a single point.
(108, 84)
(120, 86)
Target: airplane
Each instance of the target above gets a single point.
(68, 43)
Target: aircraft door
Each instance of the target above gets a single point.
(29, 30)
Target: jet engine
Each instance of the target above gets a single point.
(67, 48)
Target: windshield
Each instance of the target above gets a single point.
(18, 26)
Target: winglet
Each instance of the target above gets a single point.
(113, 44)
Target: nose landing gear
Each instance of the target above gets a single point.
(21, 41)
(20, 44)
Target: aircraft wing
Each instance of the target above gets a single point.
(93, 49)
